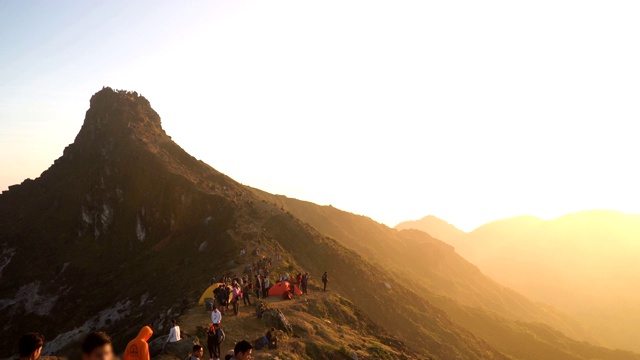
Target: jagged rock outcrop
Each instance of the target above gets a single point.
(275, 318)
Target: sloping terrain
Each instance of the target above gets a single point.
(324, 326)
(583, 263)
(125, 228)
(505, 319)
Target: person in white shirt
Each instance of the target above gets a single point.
(216, 316)
(174, 334)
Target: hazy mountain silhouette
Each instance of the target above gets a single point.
(506, 319)
(583, 263)
(126, 229)
(438, 228)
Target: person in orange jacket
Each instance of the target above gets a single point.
(138, 349)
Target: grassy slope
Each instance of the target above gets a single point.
(508, 321)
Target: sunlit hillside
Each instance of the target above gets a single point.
(585, 264)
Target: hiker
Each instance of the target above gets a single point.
(261, 307)
(216, 316)
(236, 296)
(325, 280)
(305, 283)
(196, 353)
(272, 336)
(265, 287)
(174, 334)
(30, 346)
(138, 348)
(221, 296)
(242, 351)
(215, 337)
(246, 293)
(299, 279)
(257, 286)
(97, 346)
(227, 294)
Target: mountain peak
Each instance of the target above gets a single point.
(114, 112)
(116, 117)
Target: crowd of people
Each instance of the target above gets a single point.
(98, 346)
(232, 289)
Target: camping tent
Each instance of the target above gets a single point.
(281, 287)
(209, 293)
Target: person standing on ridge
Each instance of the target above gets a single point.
(225, 298)
(97, 346)
(215, 337)
(216, 317)
(305, 283)
(265, 287)
(257, 286)
(30, 346)
(246, 293)
(325, 280)
(138, 348)
(222, 297)
(235, 300)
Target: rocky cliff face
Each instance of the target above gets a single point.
(113, 224)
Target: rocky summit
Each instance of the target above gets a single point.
(126, 229)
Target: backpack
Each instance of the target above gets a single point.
(220, 336)
(260, 343)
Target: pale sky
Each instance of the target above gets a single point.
(468, 110)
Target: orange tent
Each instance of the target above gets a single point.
(281, 287)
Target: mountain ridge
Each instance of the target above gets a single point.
(126, 228)
(566, 262)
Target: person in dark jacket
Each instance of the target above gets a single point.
(265, 287)
(325, 280)
(246, 293)
(257, 283)
(305, 283)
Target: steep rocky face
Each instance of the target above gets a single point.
(126, 228)
(109, 227)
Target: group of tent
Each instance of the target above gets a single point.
(276, 290)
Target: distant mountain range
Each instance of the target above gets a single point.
(585, 264)
(126, 229)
